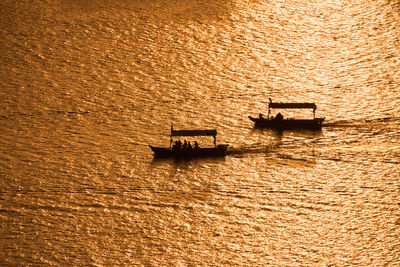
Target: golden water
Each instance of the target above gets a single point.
(86, 86)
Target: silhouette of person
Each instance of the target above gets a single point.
(279, 116)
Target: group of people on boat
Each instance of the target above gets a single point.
(278, 116)
(178, 145)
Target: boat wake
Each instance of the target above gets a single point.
(366, 123)
(250, 149)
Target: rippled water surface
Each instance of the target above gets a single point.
(86, 86)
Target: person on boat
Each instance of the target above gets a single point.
(189, 145)
(196, 145)
(279, 116)
(185, 145)
(260, 116)
(177, 145)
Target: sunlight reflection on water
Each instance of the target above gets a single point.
(89, 85)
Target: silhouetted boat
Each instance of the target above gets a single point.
(179, 150)
(278, 122)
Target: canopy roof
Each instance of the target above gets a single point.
(293, 105)
(194, 133)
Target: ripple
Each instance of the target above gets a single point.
(88, 86)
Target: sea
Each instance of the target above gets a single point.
(86, 86)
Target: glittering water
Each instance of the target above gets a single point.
(86, 86)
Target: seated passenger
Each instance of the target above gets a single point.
(177, 145)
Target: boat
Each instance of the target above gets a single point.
(177, 149)
(280, 123)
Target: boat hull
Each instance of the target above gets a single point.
(287, 124)
(162, 152)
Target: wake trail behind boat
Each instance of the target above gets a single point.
(363, 123)
(249, 149)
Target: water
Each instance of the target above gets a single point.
(87, 86)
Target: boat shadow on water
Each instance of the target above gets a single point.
(181, 161)
(278, 134)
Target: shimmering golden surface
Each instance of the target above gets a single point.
(87, 85)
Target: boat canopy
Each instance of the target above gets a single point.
(293, 105)
(194, 133)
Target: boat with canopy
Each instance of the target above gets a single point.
(177, 149)
(280, 123)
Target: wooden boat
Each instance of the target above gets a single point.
(280, 123)
(186, 150)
